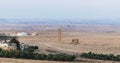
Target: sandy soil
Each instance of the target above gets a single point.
(8, 60)
(106, 43)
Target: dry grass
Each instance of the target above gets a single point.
(96, 42)
(105, 43)
(8, 60)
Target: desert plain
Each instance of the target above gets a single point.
(103, 41)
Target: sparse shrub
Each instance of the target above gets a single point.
(101, 56)
(52, 51)
(36, 47)
(29, 55)
(30, 49)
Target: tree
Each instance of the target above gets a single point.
(36, 47)
(30, 49)
(14, 40)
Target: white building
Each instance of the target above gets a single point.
(5, 45)
(8, 46)
(22, 34)
(34, 34)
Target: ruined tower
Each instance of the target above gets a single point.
(59, 32)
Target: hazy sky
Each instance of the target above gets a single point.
(59, 9)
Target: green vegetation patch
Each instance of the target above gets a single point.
(36, 56)
(111, 57)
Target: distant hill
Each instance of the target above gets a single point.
(85, 25)
(61, 22)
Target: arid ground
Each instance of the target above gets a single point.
(104, 41)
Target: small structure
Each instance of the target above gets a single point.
(75, 41)
(22, 34)
(34, 34)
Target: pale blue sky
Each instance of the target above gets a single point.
(59, 9)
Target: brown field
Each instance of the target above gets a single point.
(106, 43)
(98, 42)
(8, 60)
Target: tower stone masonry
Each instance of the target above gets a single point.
(59, 35)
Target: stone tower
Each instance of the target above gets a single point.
(59, 32)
